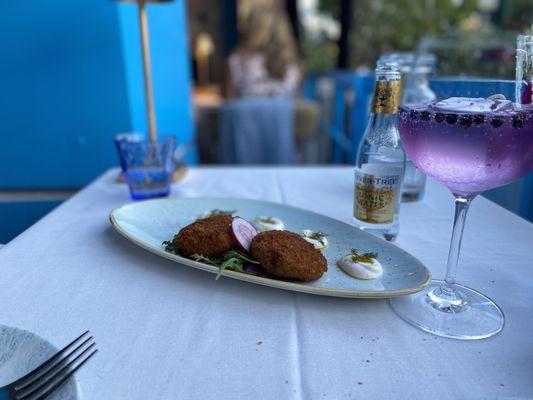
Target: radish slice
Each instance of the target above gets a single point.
(255, 269)
(243, 232)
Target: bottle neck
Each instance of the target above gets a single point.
(386, 98)
(379, 120)
(383, 121)
(420, 79)
(383, 124)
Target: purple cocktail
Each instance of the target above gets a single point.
(469, 145)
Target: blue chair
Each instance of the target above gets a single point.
(336, 92)
(257, 131)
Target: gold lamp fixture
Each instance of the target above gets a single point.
(145, 45)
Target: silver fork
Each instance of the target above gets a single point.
(51, 375)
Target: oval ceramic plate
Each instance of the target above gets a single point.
(22, 351)
(149, 223)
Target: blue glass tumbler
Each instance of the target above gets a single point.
(148, 166)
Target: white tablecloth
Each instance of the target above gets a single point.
(169, 332)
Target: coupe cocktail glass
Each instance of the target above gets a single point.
(469, 145)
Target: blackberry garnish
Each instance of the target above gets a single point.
(414, 115)
(439, 117)
(479, 119)
(466, 121)
(451, 118)
(497, 121)
(425, 115)
(519, 121)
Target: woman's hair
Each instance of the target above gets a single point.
(268, 31)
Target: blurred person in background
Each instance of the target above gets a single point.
(265, 63)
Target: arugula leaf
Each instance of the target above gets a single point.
(233, 260)
(206, 260)
(170, 246)
(237, 254)
(233, 264)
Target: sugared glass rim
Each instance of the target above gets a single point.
(421, 107)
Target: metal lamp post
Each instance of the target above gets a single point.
(148, 91)
(147, 69)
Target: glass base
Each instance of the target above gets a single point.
(408, 197)
(388, 232)
(457, 312)
(149, 194)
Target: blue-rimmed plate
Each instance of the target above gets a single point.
(149, 223)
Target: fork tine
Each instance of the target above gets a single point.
(43, 378)
(49, 377)
(53, 362)
(63, 379)
(37, 372)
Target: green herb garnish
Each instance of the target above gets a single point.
(206, 260)
(267, 220)
(216, 211)
(318, 235)
(356, 256)
(233, 260)
(240, 256)
(233, 264)
(170, 246)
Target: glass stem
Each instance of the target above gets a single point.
(461, 208)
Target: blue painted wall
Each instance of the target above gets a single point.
(63, 92)
(71, 78)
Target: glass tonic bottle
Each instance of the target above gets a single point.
(417, 90)
(381, 160)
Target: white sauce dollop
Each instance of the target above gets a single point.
(360, 270)
(263, 224)
(320, 244)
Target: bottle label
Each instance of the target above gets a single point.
(377, 187)
(386, 98)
